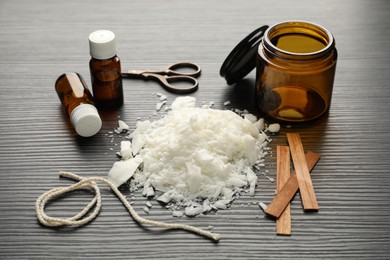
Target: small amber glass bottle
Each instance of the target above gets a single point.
(105, 68)
(78, 103)
(296, 65)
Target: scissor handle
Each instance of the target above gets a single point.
(168, 82)
(174, 69)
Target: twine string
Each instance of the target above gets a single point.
(81, 218)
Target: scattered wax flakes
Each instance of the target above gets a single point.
(236, 181)
(193, 210)
(227, 193)
(260, 125)
(149, 192)
(165, 198)
(252, 188)
(145, 190)
(226, 103)
(206, 206)
(252, 180)
(221, 204)
(194, 178)
(263, 206)
(160, 105)
(177, 214)
(146, 210)
(265, 137)
(122, 126)
(198, 158)
(121, 171)
(251, 118)
(126, 152)
(250, 175)
(270, 179)
(208, 105)
(183, 103)
(141, 127)
(163, 98)
(274, 128)
(148, 204)
(137, 143)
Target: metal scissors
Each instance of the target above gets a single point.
(169, 75)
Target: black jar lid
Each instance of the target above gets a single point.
(242, 59)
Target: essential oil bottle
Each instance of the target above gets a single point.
(78, 103)
(105, 68)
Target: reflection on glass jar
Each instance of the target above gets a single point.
(296, 64)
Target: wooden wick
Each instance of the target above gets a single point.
(305, 184)
(285, 195)
(283, 224)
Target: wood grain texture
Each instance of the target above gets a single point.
(283, 223)
(42, 39)
(286, 193)
(306, 189)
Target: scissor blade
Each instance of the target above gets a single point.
(134, 73)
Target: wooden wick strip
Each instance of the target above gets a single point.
(283, 224)
(285, 195)
(305, 184)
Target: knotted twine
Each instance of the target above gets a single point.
(81, 218)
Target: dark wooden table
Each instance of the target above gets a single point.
(40, 40)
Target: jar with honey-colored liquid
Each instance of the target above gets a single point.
(296, 63)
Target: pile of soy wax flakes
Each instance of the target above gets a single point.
(194, 159)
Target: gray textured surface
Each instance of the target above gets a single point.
(42, 39)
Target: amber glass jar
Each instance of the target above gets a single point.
(296, 65)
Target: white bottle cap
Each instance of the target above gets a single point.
(102, 44)
(86, 120)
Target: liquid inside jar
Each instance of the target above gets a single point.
(295, 103)
(298, 43)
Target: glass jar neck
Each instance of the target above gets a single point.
(298, 40)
